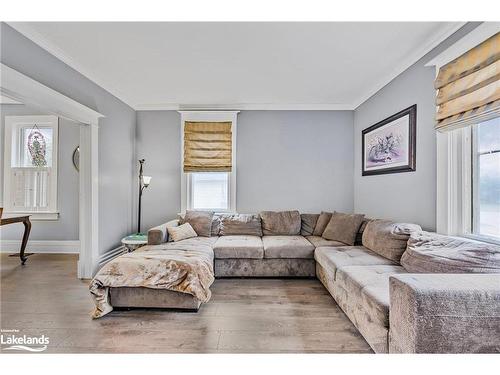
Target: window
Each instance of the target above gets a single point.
(486, 179)
(30, 165)
(208, 170)
(209, 191)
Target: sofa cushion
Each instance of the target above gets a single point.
(240, 246)
(287, 247)
(308, 222)
(387, 238)
(182, 232)
(322, 222)
(333, 258)
(282, 223)
(343, 227)
(368, 288)
(240, 224)
(318, 241)
(201, 221)
(197, 241)
(434, 253)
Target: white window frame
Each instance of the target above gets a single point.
(454, 152)
(13, 126)
(215, 116)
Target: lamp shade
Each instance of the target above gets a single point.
(146, 180)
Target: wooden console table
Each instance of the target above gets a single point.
(27, 228)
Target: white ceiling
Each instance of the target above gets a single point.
(239, 65)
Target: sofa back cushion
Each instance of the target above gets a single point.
(387, 238)
(240, 224)
(321, 223)
(284, 223)
(201, 221)
(434, 253)
(308, 222)
(343, 227)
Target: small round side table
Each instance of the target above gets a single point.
(134, 241)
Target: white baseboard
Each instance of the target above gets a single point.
(111, 254)
(41, 246)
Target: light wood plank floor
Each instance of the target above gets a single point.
(243, 316)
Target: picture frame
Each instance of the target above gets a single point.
(389, 146)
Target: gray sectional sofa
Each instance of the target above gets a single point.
(405, 290)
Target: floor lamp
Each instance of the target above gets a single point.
(144, 182)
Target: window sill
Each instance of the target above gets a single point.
(35, 216)
(487, 239)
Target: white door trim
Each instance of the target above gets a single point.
(20, 87)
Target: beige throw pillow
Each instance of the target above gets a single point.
(182, 232)
(343, 227)
(321, 223)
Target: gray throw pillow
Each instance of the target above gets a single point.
(284, 223)
(359, 235)
(308, 223)
(240, 224)
(201, 221)
(214, 232)
(323, 220)
(343, 227)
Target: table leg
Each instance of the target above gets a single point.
(27, 229)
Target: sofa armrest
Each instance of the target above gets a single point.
(159, 234)
(444, 313)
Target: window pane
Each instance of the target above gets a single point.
(489, 135)
(36, 147)
(487, 194)
(210, 191)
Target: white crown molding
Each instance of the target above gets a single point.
(29, 32)
(412, 58)
(244, 107)
(469, 41)
(41, 247)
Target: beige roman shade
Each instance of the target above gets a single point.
(207, 146)
(469, 86)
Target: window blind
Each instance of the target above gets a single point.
(469, 86)
(207, 146)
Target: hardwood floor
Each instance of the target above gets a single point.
(243, 316)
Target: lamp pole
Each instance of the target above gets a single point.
(141, 188)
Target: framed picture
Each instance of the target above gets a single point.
(389, 146)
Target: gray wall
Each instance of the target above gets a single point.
(294, 160)
(403, 196)
(116, 130)
(158, 141)
(66, 227)
(285, 160)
